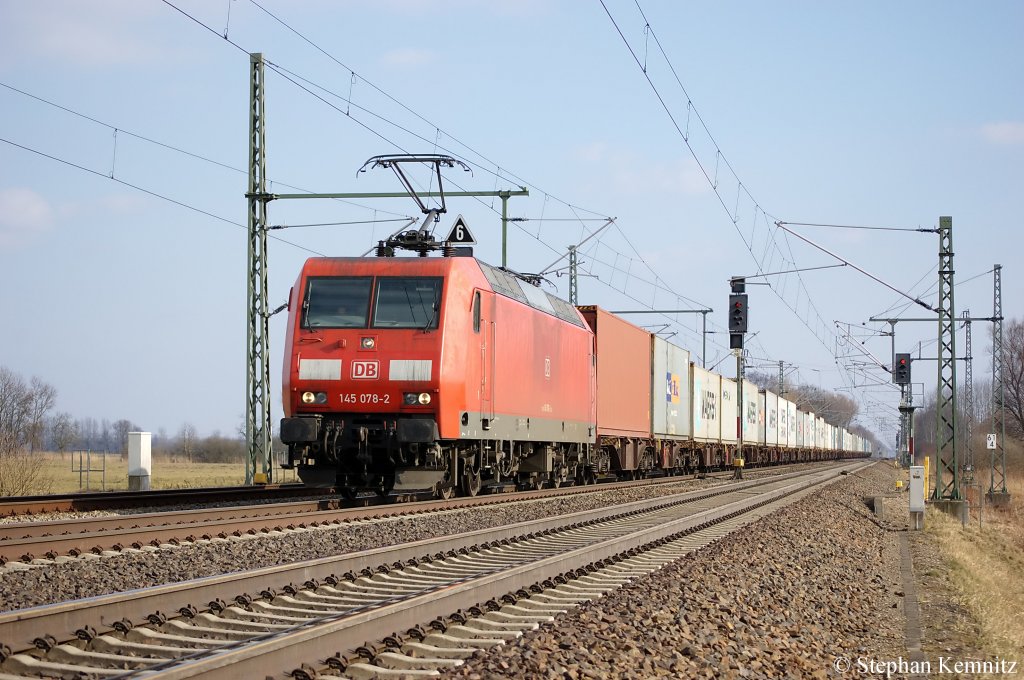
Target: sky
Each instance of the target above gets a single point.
(697, 126)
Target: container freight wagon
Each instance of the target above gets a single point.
(623, 393)
(670, 405)
(770, 426)
(706, 415)
(728, 430)
(751, 418)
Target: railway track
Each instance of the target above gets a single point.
(120, 500)
(429, 603)
(26, 542)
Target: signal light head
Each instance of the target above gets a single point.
(738, 313)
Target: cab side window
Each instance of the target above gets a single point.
(476, 312)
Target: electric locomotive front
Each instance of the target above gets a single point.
(362, 375)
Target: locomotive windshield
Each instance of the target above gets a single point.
(398, 302)
(408, 302)
(337, 302)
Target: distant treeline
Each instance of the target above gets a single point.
(28, 424)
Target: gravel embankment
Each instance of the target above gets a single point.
(784, 598)
(80, 578)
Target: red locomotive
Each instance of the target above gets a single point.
(434, 373)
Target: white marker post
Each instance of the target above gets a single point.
(140, 460)
(917, 497)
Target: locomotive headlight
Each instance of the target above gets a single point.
(424, 398)
(367, 343)
(321, 397)
(308, 397)
(410, 398)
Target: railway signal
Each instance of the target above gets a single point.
(738, 313)
(901, 370)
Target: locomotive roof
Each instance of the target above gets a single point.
(510, 285)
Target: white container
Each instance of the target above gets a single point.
(728, 432)
(706, 403)
(751, 431)
(771, 424)
(670, 390)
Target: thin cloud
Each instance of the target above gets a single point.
(90, 35)
(23, 214)
(1003, 133)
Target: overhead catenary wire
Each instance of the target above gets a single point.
(294, 77)
(719, 156)
(169, 147)
(150, 192)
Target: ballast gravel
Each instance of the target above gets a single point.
(806, 592)
(88, 576)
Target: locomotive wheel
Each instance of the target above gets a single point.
(470, 480)
(446, 492)
(347, 492)
(386, 484)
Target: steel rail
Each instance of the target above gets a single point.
(19, 629)
(279, 652)
(26, 541)
(110, 500)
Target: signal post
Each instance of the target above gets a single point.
(737, 329)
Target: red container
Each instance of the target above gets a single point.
(623, 375)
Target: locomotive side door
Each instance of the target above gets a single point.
(484, 326)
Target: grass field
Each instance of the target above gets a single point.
(69, 473)
(986, 563)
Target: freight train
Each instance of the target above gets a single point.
(449, 375)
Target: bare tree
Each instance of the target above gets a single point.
(13, 415)
(40, 399)
(187, 437)
(23, 408)
(1013, 377)
(64, 431)
(105, 441)
(121, 430)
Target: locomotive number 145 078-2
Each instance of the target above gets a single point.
(370, 398)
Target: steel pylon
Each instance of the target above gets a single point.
(947, 472)
(257, 407)
(998, 457)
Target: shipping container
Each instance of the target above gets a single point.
(623, 375)
(670, 389)
(791, 416)
(784, 423)
(749, 411)
(762, 406)
(706, 409)
(729, 425)
(773, 431)
(801, 429)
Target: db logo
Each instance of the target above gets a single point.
(365, 370)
